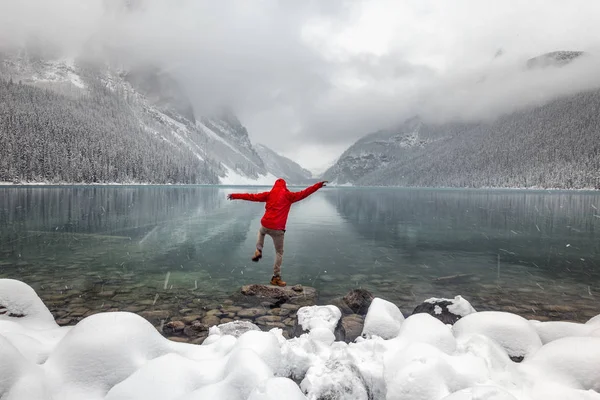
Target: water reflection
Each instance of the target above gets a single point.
(136, 248)
(556, 232)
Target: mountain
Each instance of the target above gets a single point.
(554, 145)
(79, 121)
(554, 59)
(283, 167)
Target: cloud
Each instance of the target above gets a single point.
(311, 77)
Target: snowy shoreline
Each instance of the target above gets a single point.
(120, 355)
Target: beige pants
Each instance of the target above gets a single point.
(277, 237)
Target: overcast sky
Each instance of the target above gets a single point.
(308, 78)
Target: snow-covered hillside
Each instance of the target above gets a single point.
(283, 167)
(162, 139)
(554, 145)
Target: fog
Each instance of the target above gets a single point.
(309, 78)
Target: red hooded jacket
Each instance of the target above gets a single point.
(279, 200)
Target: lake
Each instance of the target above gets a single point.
(87, 249)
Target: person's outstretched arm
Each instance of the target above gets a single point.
(297, 196)
(249, 196)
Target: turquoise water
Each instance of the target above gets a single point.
(535, 251)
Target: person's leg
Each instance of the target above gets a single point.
(260, 239)
(278, 237)
(260, 242)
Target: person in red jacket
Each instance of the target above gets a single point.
(279, 201)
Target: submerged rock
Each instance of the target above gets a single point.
(458, 278)
(235, 328)
(275, 295)
(173, 327)
(195, 329)
(251, 312)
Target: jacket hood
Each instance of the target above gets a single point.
(280, 184)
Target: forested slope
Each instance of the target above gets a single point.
(93, 137)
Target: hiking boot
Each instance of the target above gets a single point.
(276, 280)
(257, 255)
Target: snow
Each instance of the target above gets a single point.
(514, 333)
(424, 328)
(212, 134)
(553, 330)
(235, 179)
(459, 305)
(276, 389)
(18, 298)
(594, 321)
(383, 319)
(481, 393)
(313, 317)
(234, 328)
(59, 71)
(121, 356)
(572, 361)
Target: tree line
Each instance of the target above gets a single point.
(93, 137)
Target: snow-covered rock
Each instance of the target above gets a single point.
(234, 328)
(481, 393)
(101, 351)
(571, 361)
(421, 372)
(383, 319)
(344, 383)
(446, 310)
(19, 303)
(424, 328)
(514, 333)
(553, 330)
(276, 389)
(594, 321)
(167, 377)
(313, 317)
(121, 356)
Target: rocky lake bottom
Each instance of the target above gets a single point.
(183, 309)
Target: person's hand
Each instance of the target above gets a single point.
(325, 183)
(229, 197)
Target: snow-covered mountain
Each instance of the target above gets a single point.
(283, 167)
(555, 145)
(79, 121)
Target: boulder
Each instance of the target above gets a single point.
(358, 300)
(276, 296)
(352, 326)
(446, 310)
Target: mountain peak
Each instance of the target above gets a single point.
(162, 90)
(282, 166)
(554, 59)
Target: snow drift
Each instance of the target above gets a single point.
(121, 356)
